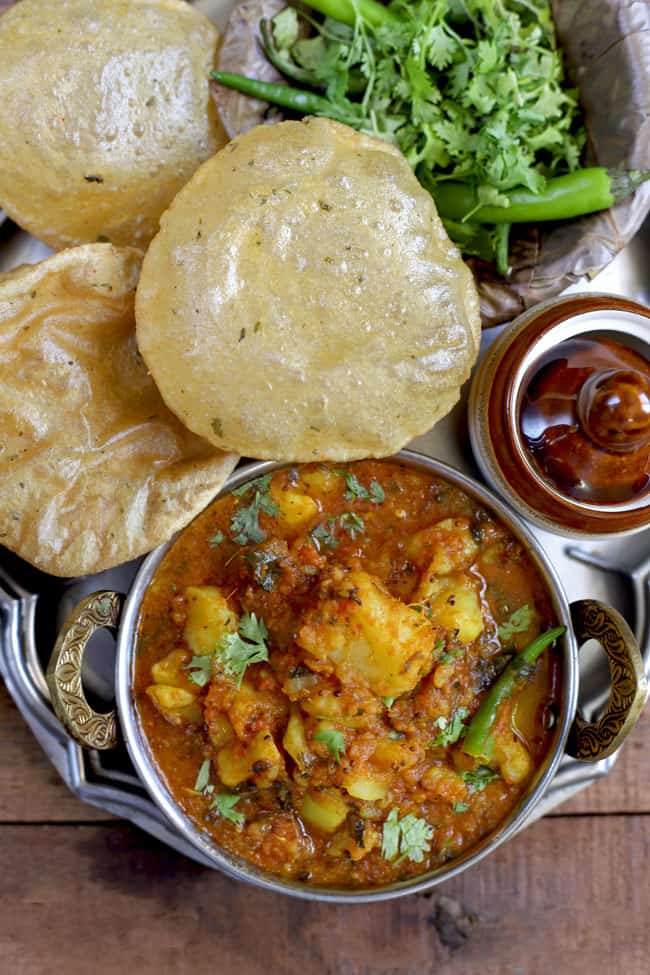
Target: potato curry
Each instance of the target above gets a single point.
(340, 672)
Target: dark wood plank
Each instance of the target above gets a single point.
(30, 788)
(627, 787)
(569, 895)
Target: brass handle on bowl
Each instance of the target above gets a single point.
(88, 727)
(591, 741)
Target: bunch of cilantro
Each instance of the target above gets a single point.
(469, 90)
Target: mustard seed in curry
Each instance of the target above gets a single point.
(314, 652)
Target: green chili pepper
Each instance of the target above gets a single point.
(573, 195)
(345, 11)
(477, 740)
(303, 102)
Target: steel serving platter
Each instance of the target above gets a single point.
(33, 605)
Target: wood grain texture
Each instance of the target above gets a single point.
(30, 787)
(561, 898)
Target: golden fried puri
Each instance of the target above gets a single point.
(302, 300)
(105, 112)
(94, 468)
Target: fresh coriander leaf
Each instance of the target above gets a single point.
(285, 28)
(352, 524)
(460, 807)
(409, 837)
(237, 651)
(518, 622)
(245, 522)
(388, 701)
(322, 536)
(334, 740)
(416, 838)
(377, 493)
(354, 488)
(203, 777)
(260, 484)
(391, 835)
(224, 803)
(477, 779)
(396, 735)
(200, 669)
(451, 731)
(216, 539)
(439, 645)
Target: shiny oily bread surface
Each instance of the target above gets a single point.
(105, 112)
(94, 468)
(302, 300)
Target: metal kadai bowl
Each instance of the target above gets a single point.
(584, 620)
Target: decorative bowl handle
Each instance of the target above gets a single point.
(89, 728)
(593, 620)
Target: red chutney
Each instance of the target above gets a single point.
(388, 601)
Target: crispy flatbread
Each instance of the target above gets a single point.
(302, 300)
(105, 112)
(94, 468)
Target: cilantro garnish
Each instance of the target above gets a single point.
(477, 779)
(518, 622)
(472, 91)
(216, 539)
(261, 484)
(334, 740)
(323, 535)
(356, 490)
(236, 651)
(451, 731)
(203, 777)
(460, 807)
(388, 701)
(245, 522)
(352, 524)
(200, 669)
(410, 837)
(224, 803)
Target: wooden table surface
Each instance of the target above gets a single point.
(82, 893)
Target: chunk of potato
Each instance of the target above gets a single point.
(252, 710)
(356, 847)
(445, 547)
(260, 761)
(395, 754)
(366, 784)
(326, 705)
(321, 481)
(444, 783)
(172, 670)
(175, 704)
(208, 617)
(363, 628)
(295, 740)
(295, 510)
(455, 604)
(325, 809)
(512, 757)
(220, 730)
